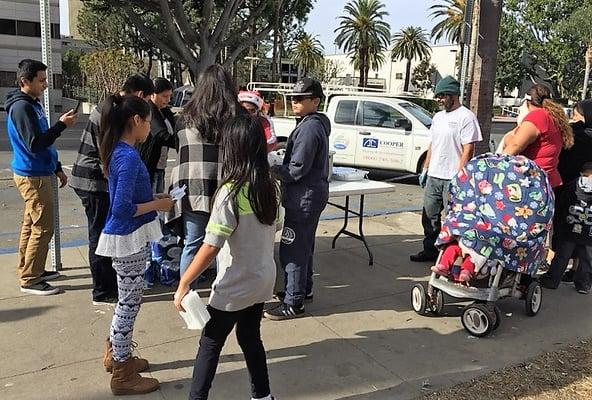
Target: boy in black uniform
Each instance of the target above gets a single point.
(305, 191)
(573, 224)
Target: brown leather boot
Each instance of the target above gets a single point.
(140, 364)
(126, 380)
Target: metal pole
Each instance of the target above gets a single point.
(45, 14)
(465, 41)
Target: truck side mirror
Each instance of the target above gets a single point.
(403, 123)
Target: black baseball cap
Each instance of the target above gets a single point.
(307, 87)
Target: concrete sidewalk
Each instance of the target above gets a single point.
(360, 339)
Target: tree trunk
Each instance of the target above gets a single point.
(472, 50)
(485, 67)
(275, 62)
(587, 74)
(362, 63)
(149, 67)
(407, 76)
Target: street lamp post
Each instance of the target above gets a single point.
(46, 55)
(252, 60)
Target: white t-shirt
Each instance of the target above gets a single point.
(449, 132)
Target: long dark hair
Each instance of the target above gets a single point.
(214, 101)
(540, 96)
(245, 162)
(115, 116)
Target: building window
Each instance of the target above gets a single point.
(55, 31)
(58, 82)
(7, 27)
(7, 79)
(399, 76)
(28, 28)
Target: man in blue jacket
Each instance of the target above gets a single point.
(35, 161)
(305, 191)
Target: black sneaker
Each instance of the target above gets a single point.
(107, 301)
(284, 311)
(50, 275)
(40, 289)
(583, 288)
(282, 295)
(424, 256)
(568, 277)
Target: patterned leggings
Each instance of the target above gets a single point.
(130, 285)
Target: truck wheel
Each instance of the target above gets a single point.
(420, 163)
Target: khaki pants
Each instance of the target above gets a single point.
(37, 229)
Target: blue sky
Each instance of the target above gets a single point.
(323, 20)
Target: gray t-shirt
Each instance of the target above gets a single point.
(246, 267)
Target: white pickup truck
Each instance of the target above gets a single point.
(374, 132)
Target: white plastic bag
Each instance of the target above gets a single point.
(196, 315)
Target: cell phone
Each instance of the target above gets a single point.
(77, 106)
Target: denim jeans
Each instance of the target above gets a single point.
(213, 337)
(435, 200)
(158, 181)
(564, 252)
(194, 224)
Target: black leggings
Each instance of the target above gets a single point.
(248, 334)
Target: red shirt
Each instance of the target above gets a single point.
(545, 150)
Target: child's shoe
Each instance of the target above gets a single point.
(440, 269)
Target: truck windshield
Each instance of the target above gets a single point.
(418, 112)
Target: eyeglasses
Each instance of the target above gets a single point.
(300, 99)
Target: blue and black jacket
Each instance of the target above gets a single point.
(31, 137)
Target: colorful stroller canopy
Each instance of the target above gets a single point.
(501, 207)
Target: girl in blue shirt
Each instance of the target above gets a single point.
(131, 224)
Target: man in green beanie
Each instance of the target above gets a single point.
(454, 132)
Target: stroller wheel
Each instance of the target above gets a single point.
(478, 320)
(419, 299)
(534, 297)
(498, 317)
(437, 302)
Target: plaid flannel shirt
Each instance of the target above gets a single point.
(199, 167)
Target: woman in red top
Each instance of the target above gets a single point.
(542, 134)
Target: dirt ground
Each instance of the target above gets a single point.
(565, 374)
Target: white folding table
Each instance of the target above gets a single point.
(355, 188)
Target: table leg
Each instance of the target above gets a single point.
(345, 222)
(361, 230)
(343, 231)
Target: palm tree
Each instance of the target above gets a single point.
(410, 43)
(307, 52)
(362, 32)
(452, 13)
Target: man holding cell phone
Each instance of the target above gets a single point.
(35, 161)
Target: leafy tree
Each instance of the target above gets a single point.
(307, 53)
(195, 32)
(579, 26)
(71, 71)
(327, 71)
(511, 55)
(105, 70)
(451, 14)
(423, 75)
(410, 43)
(364, 34)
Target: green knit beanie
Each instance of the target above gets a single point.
(447, 85)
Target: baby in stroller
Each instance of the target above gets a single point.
(499, 214)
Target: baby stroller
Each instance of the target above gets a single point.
(500, 209)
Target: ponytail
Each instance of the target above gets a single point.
(558, 115)
(116, 112)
